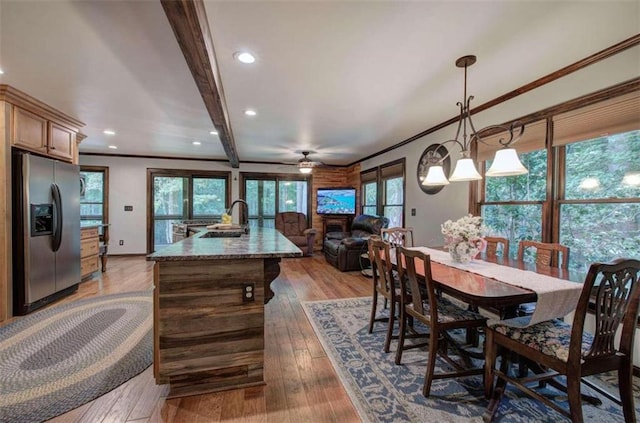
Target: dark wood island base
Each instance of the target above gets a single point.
(209, 316)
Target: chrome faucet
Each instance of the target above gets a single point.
(245, 224)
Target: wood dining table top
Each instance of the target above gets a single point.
(487, 292)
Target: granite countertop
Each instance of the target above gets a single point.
(259, 243)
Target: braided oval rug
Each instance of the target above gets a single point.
(60, 358)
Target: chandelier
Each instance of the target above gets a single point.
(506, 161)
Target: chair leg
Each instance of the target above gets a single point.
(392, 319)
(403, 325)
(575, 400)
(373, 309)
(626, 393)
(431, 363)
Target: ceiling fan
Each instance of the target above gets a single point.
(305, 164)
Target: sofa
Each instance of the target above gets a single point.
(343, 249)
(293, 225)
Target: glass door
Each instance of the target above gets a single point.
(170, 205)
(268, 195)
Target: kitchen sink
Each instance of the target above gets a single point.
(222, 234)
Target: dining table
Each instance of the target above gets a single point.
(501, 285)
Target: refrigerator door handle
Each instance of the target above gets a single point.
(57, 221)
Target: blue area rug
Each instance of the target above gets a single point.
(384, 392)
(60, 358)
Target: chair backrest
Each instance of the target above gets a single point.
(397, 236)
(546, 253)
(380, 257)
(407, 262)
(615, 288)
(492, 246)
(291, 223)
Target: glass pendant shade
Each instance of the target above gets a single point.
(506, 163)
(435, 177)
(305, 170)
(465, 171)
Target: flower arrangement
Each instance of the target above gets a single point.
(463, 238)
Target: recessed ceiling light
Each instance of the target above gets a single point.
(213, 132)
(113, 147)
(244, 57)
(196, 143)
(1, 72)
(109, 132)
(250, 112)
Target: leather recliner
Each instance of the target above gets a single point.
(293, 225)
(343, 249)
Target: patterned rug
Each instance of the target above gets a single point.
(57, 359)
(384, 392)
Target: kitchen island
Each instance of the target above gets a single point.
(209, 298)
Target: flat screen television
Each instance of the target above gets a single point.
(336, 201)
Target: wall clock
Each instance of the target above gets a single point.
(438, 152)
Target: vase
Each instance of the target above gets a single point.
(460, 257)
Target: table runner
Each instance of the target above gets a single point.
(556, 297)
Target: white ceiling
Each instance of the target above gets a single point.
(342, 78)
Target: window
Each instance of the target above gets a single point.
(270, 194)
(383, 192)
(94, 195)
(179, 195)
(583, 187)
(513, 205)
(600, 212)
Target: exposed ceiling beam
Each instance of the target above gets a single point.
(189, 23)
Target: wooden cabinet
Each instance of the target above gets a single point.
(60, 142)
(89, 251)
(29, 131)
(39, 128)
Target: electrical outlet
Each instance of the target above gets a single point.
(413, 212)
(248, 292)
(121, 242)
(128, 208)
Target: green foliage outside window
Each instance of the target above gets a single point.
(599, 217)
(91, 200)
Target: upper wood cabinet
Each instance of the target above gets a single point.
(61, 142)
(39, 128)
(29, 131)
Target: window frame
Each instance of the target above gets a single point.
(105, 190)
(180, 173)
(383, 174)
(556, 162)
(277, 178)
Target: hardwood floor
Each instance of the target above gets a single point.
(301, 384)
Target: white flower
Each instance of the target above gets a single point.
(463, 235)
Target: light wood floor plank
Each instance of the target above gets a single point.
(301, 384)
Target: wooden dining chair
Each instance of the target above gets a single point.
(398, 236)
(437, 313)
(492, 246)
(569, 350)
(384, 283)
(546, 253)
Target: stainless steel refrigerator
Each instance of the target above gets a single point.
(46, 230)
